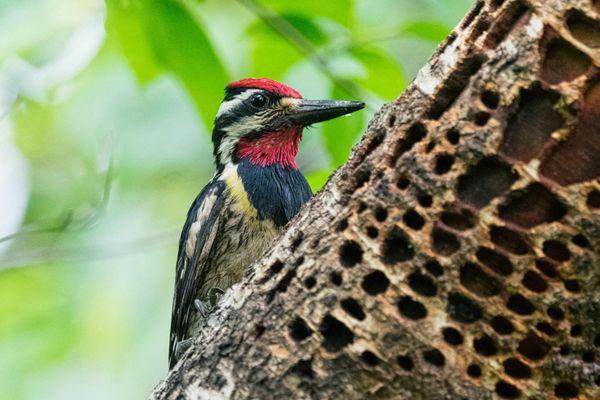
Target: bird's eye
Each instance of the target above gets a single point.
(258, 100)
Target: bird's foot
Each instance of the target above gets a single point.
(214, 295)
(205, 307)
(183, 346)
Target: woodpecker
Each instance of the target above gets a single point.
(257, 188)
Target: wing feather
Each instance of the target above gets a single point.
(195, 245)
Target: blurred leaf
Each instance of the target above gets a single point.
(182, 46)
(306, 27)
(36, 143)
(272, 54)
(340, 134)
(263, 61)
(42, 326)
(316, 179)
(337, 10)
(125, 22)
(433, 31)
(58, 183)
(161, 35)
(384, 76)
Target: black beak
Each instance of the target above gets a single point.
(312, 111)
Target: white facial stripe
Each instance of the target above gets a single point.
(247, 124)
(251, 123)
(236, 101)
(289, 102)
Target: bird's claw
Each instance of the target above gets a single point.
(203, 307)
(183, 346)
(212, 299)
(214, 294)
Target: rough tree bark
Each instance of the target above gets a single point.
(456, 254)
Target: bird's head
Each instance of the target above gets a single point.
(261, 120)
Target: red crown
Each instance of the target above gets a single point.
(266, 84)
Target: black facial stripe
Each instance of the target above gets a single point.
(243, 110)
(230, 93)
(240, 111)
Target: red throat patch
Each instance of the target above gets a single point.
(272, 148)
(266, 84)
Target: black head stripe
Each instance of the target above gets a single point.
(230, 93)
(244, 108)
(237, 111)
(241, 110)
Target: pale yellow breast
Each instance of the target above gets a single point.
(242, 237)
(241, 240)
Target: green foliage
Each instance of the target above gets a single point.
(317, 179)
(266, 42)
(167, 33)
(340, 11)
(126, 22)
(181, 46)
(38, 309)
(340, 134)
(384, 75)
(433, 31)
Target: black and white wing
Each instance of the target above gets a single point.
(195, 246)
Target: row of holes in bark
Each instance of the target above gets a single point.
(460, 308)
(495, 177)
(562, 62)
(545, 123)
(415, 310)
(446, 243)
(434, 357)
(376, 283)
(417, 132)
(336, 335)
(396, 248)
(580, 239)
(460, 77)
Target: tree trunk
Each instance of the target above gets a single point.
(456, 254)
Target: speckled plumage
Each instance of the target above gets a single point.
(256, 190)
(230, 224)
